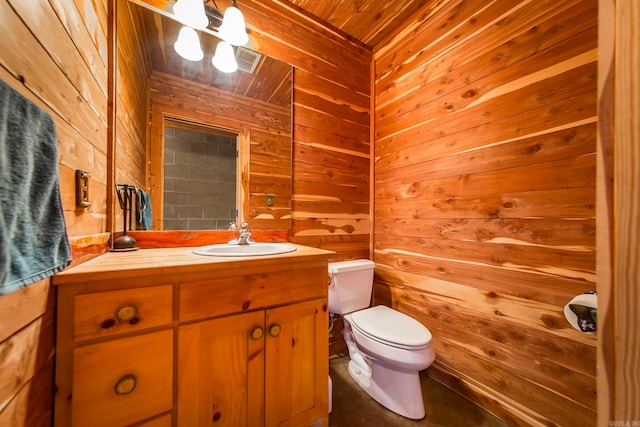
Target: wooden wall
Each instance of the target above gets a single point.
(485, 141)
(330, 202)
(55, 53)
(483, 231)
(331, 168)
(132, 102)
(331, 150)
(488, 272)
(618, 230)
(66, 72)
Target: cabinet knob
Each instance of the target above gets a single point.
(257, 333)
(274, 330)
(125, 385)
(127, 313)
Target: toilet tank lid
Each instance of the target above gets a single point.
(352, 265)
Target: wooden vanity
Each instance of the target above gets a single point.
(164, 337)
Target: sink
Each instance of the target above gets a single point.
(255, 249)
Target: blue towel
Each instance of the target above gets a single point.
(143, 209)
(33, 236)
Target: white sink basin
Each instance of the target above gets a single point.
(255, 249)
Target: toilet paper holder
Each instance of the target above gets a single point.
(585, 310)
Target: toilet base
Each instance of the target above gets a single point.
(398, 391)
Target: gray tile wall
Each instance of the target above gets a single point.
(199, 180)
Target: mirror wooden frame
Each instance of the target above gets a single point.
(160, 114)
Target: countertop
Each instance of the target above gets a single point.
(114, 265)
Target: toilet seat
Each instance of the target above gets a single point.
(390, 327)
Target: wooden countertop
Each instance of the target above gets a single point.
(170, 261)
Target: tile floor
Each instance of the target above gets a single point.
(353, 407)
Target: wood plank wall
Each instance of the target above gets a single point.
(132, 101)
(66, 73)
(55, 53)
(485, 140)
(618, 230)
(69, 40)
(331, 150)
(330, 200)
(331, 168)
(522, 248)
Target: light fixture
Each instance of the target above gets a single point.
(224, 59)
(191, 13)
(230, 24)
(188, 45)
(201, 14)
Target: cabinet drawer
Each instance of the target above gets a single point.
(209, 298)
(122, 381)
(115, 312)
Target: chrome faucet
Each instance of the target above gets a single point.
(244, 235)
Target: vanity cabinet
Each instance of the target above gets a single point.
(267, 366)
(260, 368)
(196, 341)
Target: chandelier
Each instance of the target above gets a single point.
(202, 14)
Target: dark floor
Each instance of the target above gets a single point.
(353, 407)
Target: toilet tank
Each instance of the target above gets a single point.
(350, 286)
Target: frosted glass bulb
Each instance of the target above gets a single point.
(224, 59)
(191, 13)
(233, 29)
(188, 45)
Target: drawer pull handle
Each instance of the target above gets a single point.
(127, 313)
(125, 385)
(257, 333)
(274, 330)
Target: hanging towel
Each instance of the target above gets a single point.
(33, 236)
(143, 209)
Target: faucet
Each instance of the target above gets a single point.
(244, 235)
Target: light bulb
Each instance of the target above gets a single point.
(188, 45)
(191, 13)
(233, 29)
(224, 59)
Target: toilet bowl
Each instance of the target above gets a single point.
(387, 349)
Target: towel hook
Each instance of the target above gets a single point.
(125, 243)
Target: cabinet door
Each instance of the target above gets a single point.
(220, 372)
(297, 364)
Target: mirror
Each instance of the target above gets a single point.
(243, 117)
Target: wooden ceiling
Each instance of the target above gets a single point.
(368, 22)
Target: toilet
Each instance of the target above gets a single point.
(387, 349)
